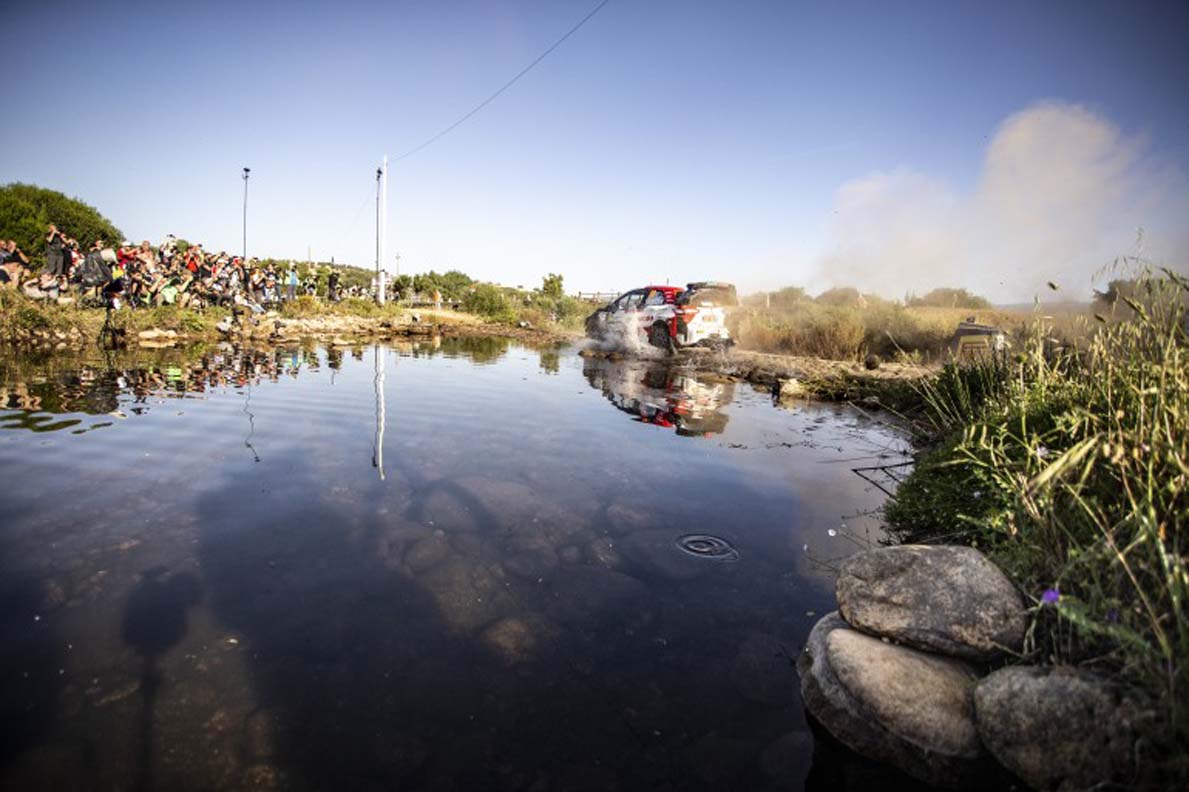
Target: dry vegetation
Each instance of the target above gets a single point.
(888, 329)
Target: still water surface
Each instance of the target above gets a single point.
(453, 565)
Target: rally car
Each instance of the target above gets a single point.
(667, 317)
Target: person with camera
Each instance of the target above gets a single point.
(332, 286)
(55, 253)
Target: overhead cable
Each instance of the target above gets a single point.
(505, 86)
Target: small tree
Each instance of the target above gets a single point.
(551, 285)
(402, 285)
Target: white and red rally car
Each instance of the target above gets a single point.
(667, 317)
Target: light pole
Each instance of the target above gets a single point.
(245, 257)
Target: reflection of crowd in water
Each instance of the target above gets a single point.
(95, 389)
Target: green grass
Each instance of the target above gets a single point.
(1071, 469)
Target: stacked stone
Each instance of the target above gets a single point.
(896, 674)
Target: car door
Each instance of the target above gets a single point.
(624, 320)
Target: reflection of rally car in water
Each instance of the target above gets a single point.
(656, 394)
(667, 317)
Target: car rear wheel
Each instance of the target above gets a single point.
(659, 337)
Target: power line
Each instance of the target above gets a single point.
(505, 86)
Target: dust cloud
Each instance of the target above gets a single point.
(1061, 193)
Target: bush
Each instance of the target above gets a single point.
(27, 210)
(489, 301)
(948, 298)
(303, 307)
(841, 297)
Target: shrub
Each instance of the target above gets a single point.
(840, 296)
(27, 210)
(489, 301)
(948, 298)
(303, 307)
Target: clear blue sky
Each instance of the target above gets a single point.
(663, 140)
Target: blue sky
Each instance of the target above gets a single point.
(767, 143)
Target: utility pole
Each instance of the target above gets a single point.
(379, 173)
(381, 227)
(246, 172)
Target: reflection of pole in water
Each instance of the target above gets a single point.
(378, 450)
(251, 419)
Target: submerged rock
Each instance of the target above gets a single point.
(762, 671)
(1059, 728)
(894, 704)
(788, 758)
(428, 552)
(945, 599)
(518, 639)
(656, 551)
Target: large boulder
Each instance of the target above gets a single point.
(894, 704)
(1059, 728)
(942, 598)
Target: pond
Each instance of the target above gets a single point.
(462, 564)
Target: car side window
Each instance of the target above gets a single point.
(631, 301)
(655, 297)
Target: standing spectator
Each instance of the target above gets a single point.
(332, 286)
(71, 256)
(55, 256)
(292, 282)
(168, 249)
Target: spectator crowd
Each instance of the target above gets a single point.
(171, 273)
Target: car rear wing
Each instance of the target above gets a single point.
(709, 294)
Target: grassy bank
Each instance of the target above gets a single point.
(43, 323)
(24, 320)
(1071, 469)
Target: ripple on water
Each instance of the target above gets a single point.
(707, 546)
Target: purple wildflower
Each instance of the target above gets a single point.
(1112, 616)
(1050, 596)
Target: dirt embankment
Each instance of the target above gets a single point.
(351, 329)
(791, 377)
(58, 327)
